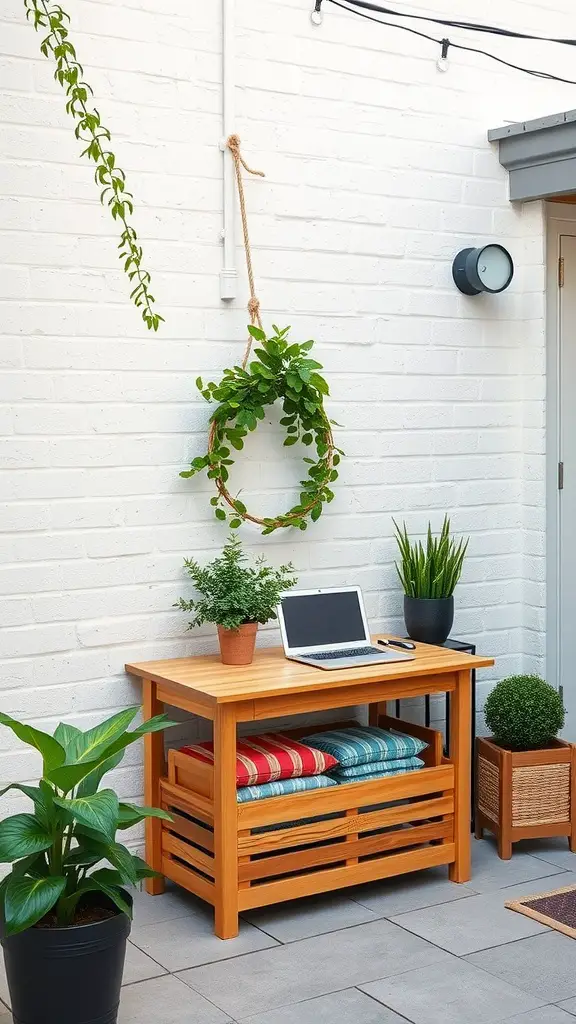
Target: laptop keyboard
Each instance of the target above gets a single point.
(351, 653)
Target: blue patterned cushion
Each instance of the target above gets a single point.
(283, 786)
(370, 776)
(378, 768)
(362, 744)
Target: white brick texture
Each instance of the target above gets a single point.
(377, 172)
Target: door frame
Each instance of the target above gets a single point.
(560, 219)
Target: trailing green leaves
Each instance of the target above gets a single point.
(432, 571)
(279, 372)
(45, 14)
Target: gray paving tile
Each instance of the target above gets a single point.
(569, 1006)
(167, 1000)
(455, 994)
(4, 994)
(543, 1015)
(489, 872)
(139, 967)
(554, 851)
(350, 1005)
(478, 922)
(175, 902)
(302, 918)
(188, 941)
(6, 1018)
(311, 967)
(544, 965)
(410, 892)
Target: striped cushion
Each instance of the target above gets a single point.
(268, 758)
(377, 768)
(371, 776)
(362, 744)
(281, 788)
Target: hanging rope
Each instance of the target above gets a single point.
(233, 144)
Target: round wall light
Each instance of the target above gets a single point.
(487, 269)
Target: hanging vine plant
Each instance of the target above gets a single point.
(282, 372)
(90, 130)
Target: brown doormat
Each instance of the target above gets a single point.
(557, 909)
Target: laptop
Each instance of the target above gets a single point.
(329, 629)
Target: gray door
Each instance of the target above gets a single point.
(567, 493)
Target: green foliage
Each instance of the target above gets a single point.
(234, 593)
(280, 372)
(45, 14)
(55, 851)
(524, 713)
(432, 571)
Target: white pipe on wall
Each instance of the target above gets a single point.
(229, 273)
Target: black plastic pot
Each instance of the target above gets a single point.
(428, 620)
(67, 975)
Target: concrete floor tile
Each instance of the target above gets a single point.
(189, 941)
(4, 994)
(544, 965)
(453, 994)
(543, 1015)
(553, 851)
(569, 1006)
(410, 892)
(175, 902)
(489, 872)
(303, 918)
(311, 967)
(467, 926)
(6, 1018)
(350, 1005)
(139, 967)
(166, 1000)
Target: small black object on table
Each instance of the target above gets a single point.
(465, 648)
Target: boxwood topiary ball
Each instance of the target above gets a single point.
(524, 713)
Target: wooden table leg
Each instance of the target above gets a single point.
(225, 823)
(153, 771)
(373, 714)
(460, 752)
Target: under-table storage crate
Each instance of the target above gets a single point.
(316, 841)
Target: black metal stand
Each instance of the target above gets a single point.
(465, 648)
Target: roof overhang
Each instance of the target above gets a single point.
(539, 155)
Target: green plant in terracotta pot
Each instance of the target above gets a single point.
(429, 575)
(236, 597)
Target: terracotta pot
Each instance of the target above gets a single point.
(237, 645)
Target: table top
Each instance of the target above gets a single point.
(272, 674)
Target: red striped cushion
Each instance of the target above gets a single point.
(268, 758)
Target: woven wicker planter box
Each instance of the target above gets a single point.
(528, 794)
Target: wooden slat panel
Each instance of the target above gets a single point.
(342, 696)
(561, 754)
(347, 851)
(342, 798)
(337, 878)
(198, 859)
(319, 831)
(182, 827)
(207, 681)
(191, 803)
(188, 879)
(191, 773)
(433, 754)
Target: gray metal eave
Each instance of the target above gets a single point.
(540, 155)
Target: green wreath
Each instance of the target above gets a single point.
(281, 372)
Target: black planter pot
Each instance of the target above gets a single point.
(428, 620)
(67, 975)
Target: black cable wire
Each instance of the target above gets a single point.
(456, 46)
(468, 25)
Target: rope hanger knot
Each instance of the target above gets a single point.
(233, 143)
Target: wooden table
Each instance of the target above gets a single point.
(216, 846)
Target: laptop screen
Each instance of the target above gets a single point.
(313, 620)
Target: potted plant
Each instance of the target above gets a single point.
(526, 776)
(64, 909)
(429, 576)
(236, 597)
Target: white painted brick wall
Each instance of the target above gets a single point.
(377, 171)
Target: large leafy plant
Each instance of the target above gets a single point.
(233, 593)
(60, 851)
(432, 571)
(281, 372)
(69, 73)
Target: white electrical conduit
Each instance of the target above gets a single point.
(229, 273)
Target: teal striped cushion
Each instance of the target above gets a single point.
(371, 776)
(407, 764)
(363, 744)
(283, 786)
